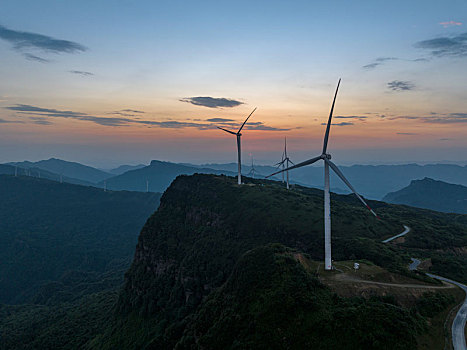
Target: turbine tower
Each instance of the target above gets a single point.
(239, 146)
(326, 157)
(284, 163)
(252, 170)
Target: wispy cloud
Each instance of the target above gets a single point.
(41, 120)
(382, 60)
(32, 57)
(451, 118)
(450, 24)
(4, 121)
(406, 133)
(357, 117)
(41, 115)
(128, 112)
(379, 61)
(82, 73)
(212, 102)
(445, 46)
(399, 85)
(220, 120)
(340, 124)
(27, 40)
(132, 111)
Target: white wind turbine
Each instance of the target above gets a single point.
(239, 148)
(326, 157)
(252, 169)
(284, 163)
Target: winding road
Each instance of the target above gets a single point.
(458, 325)
(407, 230)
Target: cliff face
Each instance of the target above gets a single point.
(204, 223)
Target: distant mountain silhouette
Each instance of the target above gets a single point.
(373, 181)
(431, 194)
(124, 168)
(158, 174)
(33, 171)
(66, 168)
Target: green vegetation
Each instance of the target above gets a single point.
(432, 194)
(270, 302)
(61, 241)
(61, 326)
(188, 248)
(216, 266)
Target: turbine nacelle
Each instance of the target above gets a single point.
(325, 156)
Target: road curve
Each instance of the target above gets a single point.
(407, 230)
(458, 325)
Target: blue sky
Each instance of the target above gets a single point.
(403, 66)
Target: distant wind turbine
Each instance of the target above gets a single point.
(284, 163)
(239, 147)
(326, 157)
(252, 170)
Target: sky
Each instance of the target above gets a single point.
(123, 82)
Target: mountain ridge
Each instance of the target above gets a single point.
(432, 194)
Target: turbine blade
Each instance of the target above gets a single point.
(291, 161)
(230, 132)
(299, 165)
(246, 120)
(326, 135)
(339, 173)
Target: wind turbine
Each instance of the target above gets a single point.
(285, 163)
(326, 157)
(252, 170)
(239, 147)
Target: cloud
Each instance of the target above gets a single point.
(398, 85)
(24, 40)
(451, 118)
(359, 117)
(128, 112)
(450, 24)
(220, 120)
(381, 60)
(32, 57)
(212, 102)
(40, 120)
(406, 133)
(4, 121)
(132, 111)
(445, 46)
(261, 126)
(40, 116)
(340, 124)
(82, 73)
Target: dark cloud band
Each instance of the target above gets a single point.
(40, 116)
(212, 102)
(26, 40)
(445, 46)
